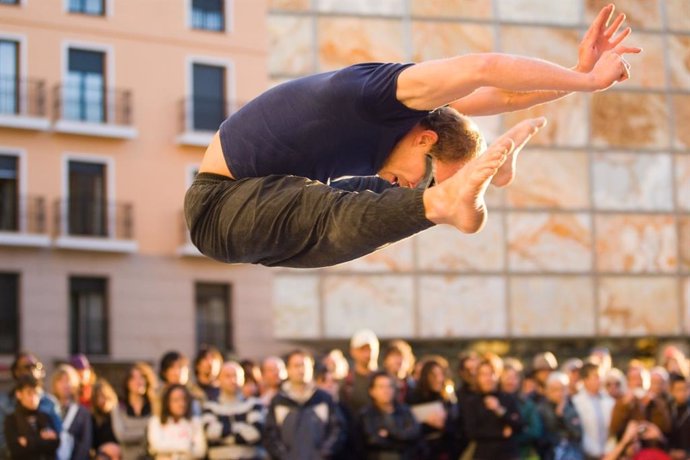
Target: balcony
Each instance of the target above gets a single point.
(200, 118)
(93, 111)
(23, 104)
(186, 248)
(23, 223)
(90, 225)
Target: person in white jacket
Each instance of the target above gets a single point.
(175, 434)
(595, 407)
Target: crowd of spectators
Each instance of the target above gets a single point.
(299, 407)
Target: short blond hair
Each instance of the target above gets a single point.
(71, 373)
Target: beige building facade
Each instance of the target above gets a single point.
(106, 107)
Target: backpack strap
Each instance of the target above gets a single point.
(69, 418)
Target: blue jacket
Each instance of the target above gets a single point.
(303, 429)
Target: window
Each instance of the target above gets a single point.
(84, 93)
(91, 7)
(208, 100)
(208, 15)
(9, 313)
(88, 315)
(9, 193)
(9, 77)
(87, 202)
(213, 315)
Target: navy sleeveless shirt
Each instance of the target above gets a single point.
(324, 126)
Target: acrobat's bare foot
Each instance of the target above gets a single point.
(459, 200)
(520, 134)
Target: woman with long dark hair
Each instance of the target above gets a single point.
(491, 418)
(434, 409)
(176, 433)
(132, 414)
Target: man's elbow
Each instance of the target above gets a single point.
(487, 68)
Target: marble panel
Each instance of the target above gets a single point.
(681, 115)
(679, 60)
(552, 307)
(379, 7)
(567, 117)
(381, 303)
(678, 15)
(541, 11)
(684, 241)
(434, 39)
(444, 248)
(682, 168)
(290, 5)
(557, 242)
(645, 14)
(638, 306)
(490, 127)
(636, 243)
(550, 179)
(291, 45)
(646, 68)
(633, 181)
(346, 41)
(634, 120)
(476, 9)
(296, 306)
(552, 44)
(462, 306)
(397, 257)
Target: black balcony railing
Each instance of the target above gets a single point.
(88, 217)
(205, 113)
(24, 215)
(93, 104)
(21, 96)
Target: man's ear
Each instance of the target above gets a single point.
(427, 138)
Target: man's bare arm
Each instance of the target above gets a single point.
(599, 38)
(492, 101)
(435, 83)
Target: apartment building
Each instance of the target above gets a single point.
(106, 107)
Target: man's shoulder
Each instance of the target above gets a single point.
(320, 396)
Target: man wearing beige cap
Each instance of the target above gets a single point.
(364, 350)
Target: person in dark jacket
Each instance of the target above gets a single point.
(562, 427)
(533, 429)
(435, 410)
(76, 420)
(103, 406)
(679, 440)
(30, 434)
(387, 429)
(302, 421)
(26, 363)
(491, 418)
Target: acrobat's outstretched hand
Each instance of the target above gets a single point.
(602, 37)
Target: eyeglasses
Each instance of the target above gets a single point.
(30, 366)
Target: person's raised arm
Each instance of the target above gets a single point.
(599, 38)
(431, 84)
